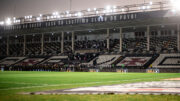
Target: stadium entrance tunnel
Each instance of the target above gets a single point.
(167, 87)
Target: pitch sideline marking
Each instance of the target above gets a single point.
(47, 85)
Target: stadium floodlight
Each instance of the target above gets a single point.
(38, 18)
(67, 12)
(55, 13)
(52, 17)
(150, 2)
(2, 23)
(8, 21)
(88, 9)
(175, 4)
(114, 10)
(75, 14)
(108, 7)
(114, 7)
(97, 12)
(95, 9)
(79, 14)
(40, 15)
(143, 7)
(122, 10)
(17, 21)
(173, 10)
(148, 7)
(58, 16)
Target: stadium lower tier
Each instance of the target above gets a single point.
(34, 46)
(102, 62)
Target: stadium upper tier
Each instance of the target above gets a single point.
(109, 10)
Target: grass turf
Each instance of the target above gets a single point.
(13, 83)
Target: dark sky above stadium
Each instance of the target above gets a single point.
(19, 8)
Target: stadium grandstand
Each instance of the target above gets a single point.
(136, 37)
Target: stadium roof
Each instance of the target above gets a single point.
(18, 8)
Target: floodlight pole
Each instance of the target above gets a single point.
(62, 42)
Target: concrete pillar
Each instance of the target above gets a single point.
(42, 44)
(58, 39)
(120, 40)
(24, 45)
(62, 42)
(108, 40)
(7, 46)
(49, 39)
(72, 41)
(178, 37)
(148, 38)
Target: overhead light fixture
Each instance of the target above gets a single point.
(88, 9)
(114, 7)
(150, 2)
(67, 12)
(97, 12)
(122, 10)
(38, 18)
(108, 7)
(79, 14)
(48, 17)
(95, 9)
(2, 23)
(55, 13)
(175, 4)
(8, 21)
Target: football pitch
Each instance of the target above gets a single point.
(13, 84)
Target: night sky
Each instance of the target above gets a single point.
(19, 8)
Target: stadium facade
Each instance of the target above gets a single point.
(136, 37)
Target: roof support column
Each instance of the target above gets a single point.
(62, 42)
(148, 38)
(120, 39)
(72, 41)
(42, 44)
(178, 37)
(24, 46)
(7, 46)
(108, 40)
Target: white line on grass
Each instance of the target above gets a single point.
(47, 85)
(23, 83)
